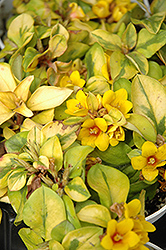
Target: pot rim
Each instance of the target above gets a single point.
(149, 244)
(155, 216)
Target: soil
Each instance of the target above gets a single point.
(156, 203)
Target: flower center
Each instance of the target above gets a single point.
(151, 160)
(117, 237)
(94, 131)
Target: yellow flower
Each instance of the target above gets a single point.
(73, 80)
(119, 235)
(116, 134)
(118, 100)
(78, 106)
(151, 158)
(76, 11)
(93, 133)
(101, 9)
(141, 226)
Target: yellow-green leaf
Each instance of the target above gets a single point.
(139, 61)
(149, 98)
(85, 238)
(9, 99)
(22, 88)
(20, 29)
(77, 190)
(107, 40)
(30, 238)
(44, 116)
(95, 214)
(57, 45)
(55, 245)
(5, 113)
(121, 66)
(94, 60)
(70, 211)
(47, 97)
(7, 82)
(40, 210)
(141, 125)
(148, 44)
(52, 148)
(152, 23)
(23, 110)
(17, 180)
(129, 37)
(110, 184)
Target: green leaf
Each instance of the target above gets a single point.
(110, 184)
(47, 97)
(30, 238)
(155, 70)
(21, 29)
(16, 66)
(152, 23)
(70, 212)
(75, 157)
(75, 50)
(15, 143)
(94, 61)
(129, 37)
(57, 45)
(59, 231)
(148, 44)
(141, 125)
(77, 190)
(95, 214)
(139, 61)
(86, 238)
(107, 40)
(40, 210)
(149, 98)
(121, 66)
(115, 156)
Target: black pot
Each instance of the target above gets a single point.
(9, 238)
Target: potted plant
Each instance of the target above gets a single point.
(82, 119)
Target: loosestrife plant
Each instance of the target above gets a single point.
(83, 121)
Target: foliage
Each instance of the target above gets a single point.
(83, 121)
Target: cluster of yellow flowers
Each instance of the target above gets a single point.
(103, 116)
(113, 9)
(130, 232)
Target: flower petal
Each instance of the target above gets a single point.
(111, 227)
(107, 242)
(133, 207)
(125, 226)
(138, 162)
(131, 238)
(108, 97)
(102, 141)
(149, 173)
(88, 123)
(101, 124)
(149, 149)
